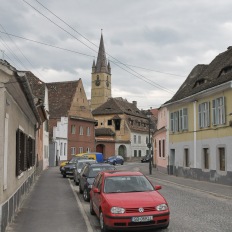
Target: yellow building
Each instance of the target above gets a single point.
(200, 123)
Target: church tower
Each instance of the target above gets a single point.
(101, 78)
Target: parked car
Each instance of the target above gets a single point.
(72, 160)
(87, 175)
(145, 158)
(125, 200)
(79, 165)
(115, 159)
(69, 167)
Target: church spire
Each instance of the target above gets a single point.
(101, 65)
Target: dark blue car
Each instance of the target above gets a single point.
(116, 159)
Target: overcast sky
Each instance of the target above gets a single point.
(152, 44)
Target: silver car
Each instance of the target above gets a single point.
(79, 164)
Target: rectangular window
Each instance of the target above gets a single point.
(80, 149)
(88, 149)
(81, 130)
(73, 150)
(174, 121)
(139, 139)
(205, 158)
(183, 119)
(186, 157)
(218, 109)
(73, 129)
(134, 138)
(163, 148)
(88, 131)
(61, 149)
(222, 160)
(25, 152)
(135, 153)
(140, 153)
(64, 149)
(160, 148)
(204, 115)
(109, 122)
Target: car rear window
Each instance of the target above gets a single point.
(95, 170)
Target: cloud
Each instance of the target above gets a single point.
(161, 37)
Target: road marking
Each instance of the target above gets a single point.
(89, 227)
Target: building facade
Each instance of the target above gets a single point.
(20, 120)
(121, 129)
(200, 128)
(68, 100)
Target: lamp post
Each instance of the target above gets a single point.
(149, 141)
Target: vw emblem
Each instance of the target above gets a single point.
(141, 210)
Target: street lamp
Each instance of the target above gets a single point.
(149, 141)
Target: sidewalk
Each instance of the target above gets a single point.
(50, 206)
(220, 190)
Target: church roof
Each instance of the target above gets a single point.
(101, 65)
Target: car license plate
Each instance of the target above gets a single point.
(142, 219)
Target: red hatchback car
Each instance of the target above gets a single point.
(125, 200)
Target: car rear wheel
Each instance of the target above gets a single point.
(114, 163)
(91, 208)
(102, 223)
(85, 195)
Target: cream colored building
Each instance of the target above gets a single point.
(200, 123)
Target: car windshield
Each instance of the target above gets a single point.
(95, 170)
(73, 160)
(125, 184)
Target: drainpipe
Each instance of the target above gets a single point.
(195, 134)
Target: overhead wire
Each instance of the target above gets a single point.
(147, 80)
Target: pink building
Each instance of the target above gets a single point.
(160, 141)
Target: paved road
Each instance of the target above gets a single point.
(55, 204)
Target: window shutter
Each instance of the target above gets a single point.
(208, 113)
(18, 153)
(199, 116)
(185, 118)
(214, 112)
(181, 123)
(223, 111)
(172, 122)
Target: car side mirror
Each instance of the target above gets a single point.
(96, 190)
(157, 187)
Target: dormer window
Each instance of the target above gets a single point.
(199, 82)
(225, 71)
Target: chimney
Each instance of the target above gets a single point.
(134, 103)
